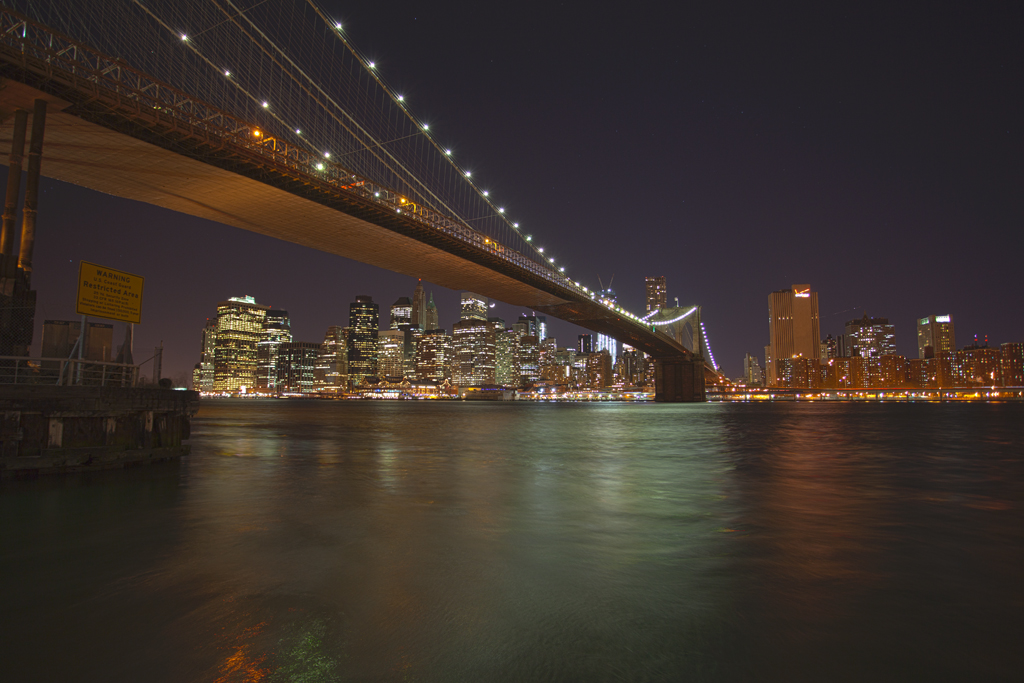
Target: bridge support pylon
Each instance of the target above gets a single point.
(679, 379)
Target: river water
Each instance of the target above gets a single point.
(447, 541)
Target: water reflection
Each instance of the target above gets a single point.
(449, 542)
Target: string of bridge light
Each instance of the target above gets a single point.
(466, 175)
(424, 128)
(707, 345)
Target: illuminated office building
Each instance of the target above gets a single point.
(873, 337)
(535, 325)
(609, 344)
(332, 366)
(657, 293)
(599, 370)
(935, 336)
(474, 307)
(296, 365)
(433, 356)
(506, 358)
(209, 346)
(473, 346)
(753, 375)
(239, 330)
(277, 330)
(793, 328)
(363, 323)
(529, 359)
(419, 307)
(401, 313)
(391, 354)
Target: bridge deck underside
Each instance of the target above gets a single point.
(174, 175)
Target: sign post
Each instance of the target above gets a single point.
(108, 293)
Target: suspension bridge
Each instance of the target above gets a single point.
(264, 116)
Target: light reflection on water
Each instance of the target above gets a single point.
(318, 541)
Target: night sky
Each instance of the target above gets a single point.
(876, 154)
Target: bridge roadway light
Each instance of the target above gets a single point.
(486, 193)
(184, 37)
(448, 152)
(227, 73)
(371, 65)
(515, 225)
(540, 249)
(501, 210)
(266, 104)
(319, 167)
(327, 155)
(400, 98)
(338, 26)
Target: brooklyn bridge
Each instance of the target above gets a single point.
(267, 118)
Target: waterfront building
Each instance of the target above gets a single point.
(657, 293)
(277, 330)
(433, 356)
(935, 335)
(239, 330)
(793, 328)
(977, 366)
(753, 375)
(1012, 364)
(391, 354)
(364, 324)
(431, 314)
(296, 366)
(332, 366)
(848, 371)
(473, 346)
(474, 307)
(419, 307)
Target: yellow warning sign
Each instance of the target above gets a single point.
(108, 293)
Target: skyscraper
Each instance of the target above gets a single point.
(391, 354)
(431, 315)
(401, 313)
(332, 366)
(277, 330)
(752, 373)
(474, 307)
(506, 352)
(657, 294)
(935, 333)
(473, 346)
(239, 330)
(873, 337)
(793, 328)
(419, 306)
(585, 343)
(433, 356)
(209, 345)
(295, 365)
(364, 323)
(536, 325)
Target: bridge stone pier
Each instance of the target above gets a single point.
(679, 379)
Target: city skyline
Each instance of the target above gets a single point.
(742, 149)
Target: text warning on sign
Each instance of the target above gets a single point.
(108, 293)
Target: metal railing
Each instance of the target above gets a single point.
(66, 372)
